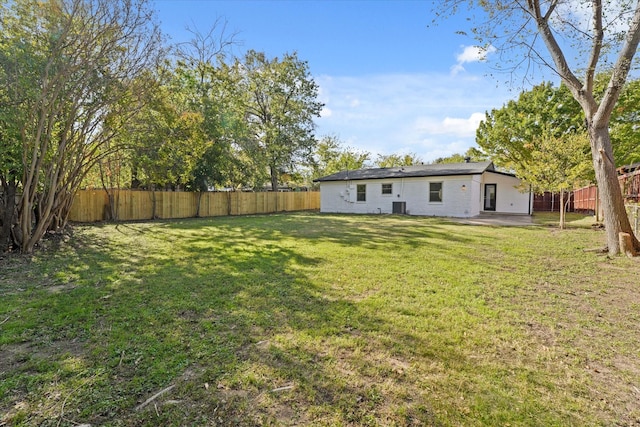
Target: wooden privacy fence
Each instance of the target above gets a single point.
(127, 205)
(586, 199)
(550, 202)
(633, 211)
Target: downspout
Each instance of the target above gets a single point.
(481, 194)
(530, 208)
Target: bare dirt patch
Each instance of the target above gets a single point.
(599, 325)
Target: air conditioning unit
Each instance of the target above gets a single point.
(399, 208)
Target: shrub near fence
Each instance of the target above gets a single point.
(128, 205)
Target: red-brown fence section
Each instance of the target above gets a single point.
(550, 202)
(630, 183)
(586, 198)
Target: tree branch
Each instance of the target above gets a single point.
(563, 69)
(596, 48)
(620, 71)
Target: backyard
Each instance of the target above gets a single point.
(310, 319)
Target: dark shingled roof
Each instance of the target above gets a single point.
(441, 169)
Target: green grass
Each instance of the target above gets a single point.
(308, 319)
(572, 219)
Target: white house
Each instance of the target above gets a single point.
(450, 190)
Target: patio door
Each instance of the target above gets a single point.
(490, 197)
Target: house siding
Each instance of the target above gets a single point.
(462, 195)
(509, 197)
(340, 196)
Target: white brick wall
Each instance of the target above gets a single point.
(509, 197)
(462, 196)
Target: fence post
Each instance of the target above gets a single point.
(634, 217)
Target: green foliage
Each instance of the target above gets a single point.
(507, 134)
(166, 139)
(625, 125)
(332, 156)
(557, 164)
(208, 86)
(472, 154)
(278, 99)
(394, 160)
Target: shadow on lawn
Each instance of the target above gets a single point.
(225, 313)
(256, 323)
(230, 314)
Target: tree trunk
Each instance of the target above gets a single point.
(616, 220)
(8, 210)
(274, 183)
(199, 199)
(274, 178)
(562, 216)
(154, 203)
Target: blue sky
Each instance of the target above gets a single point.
(391, 82)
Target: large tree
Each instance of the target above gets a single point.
(508, 134)
(66, 67)
(604, 36)
(208, 85)
(279, 103)
(166, 139)
(556, 164)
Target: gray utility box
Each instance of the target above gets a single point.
(400, 208)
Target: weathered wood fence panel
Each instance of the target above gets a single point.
(128, 205)
(586, 199)
(132, 205)
(89, 205)
(633, 211)
(550, 202)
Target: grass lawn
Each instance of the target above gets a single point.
(309, 319)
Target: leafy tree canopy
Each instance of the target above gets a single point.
(472, 154)
(393, 160)
(508, 134)
(279, 101)
(332, 156)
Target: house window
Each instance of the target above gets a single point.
(387, 188)
(435, 192)
(361, 192)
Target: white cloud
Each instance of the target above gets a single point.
(431, 115)
(471, 54)
(616, 16)
(474, 54)
(326, 112)
(459, 127)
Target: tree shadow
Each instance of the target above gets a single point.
(233, 316)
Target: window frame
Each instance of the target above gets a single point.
(389, 186)
(433, 192)
(362, 193)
